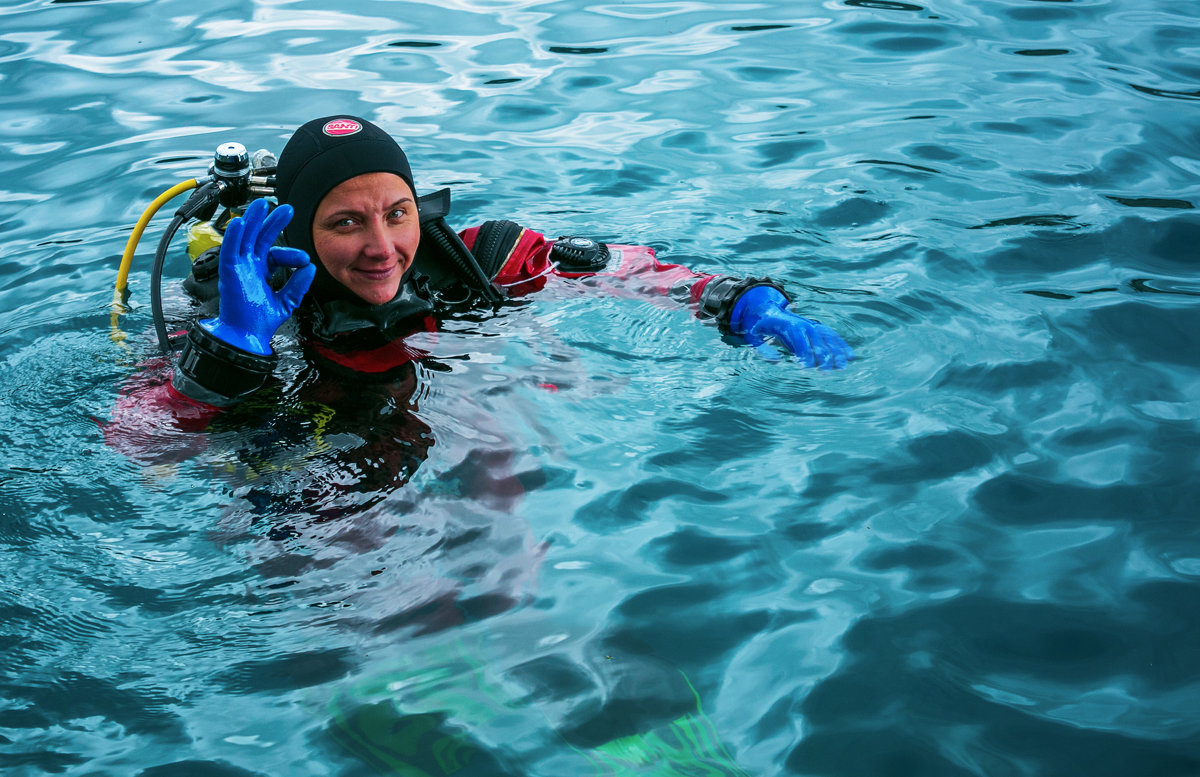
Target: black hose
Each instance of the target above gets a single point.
(160, 255)
(452, 245)
(202, 198)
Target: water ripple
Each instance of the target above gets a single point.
(624, 529)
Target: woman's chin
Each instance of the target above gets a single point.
(376, 293)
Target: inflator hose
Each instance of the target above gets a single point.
(139, 228)
(160, 256)
(118, 303)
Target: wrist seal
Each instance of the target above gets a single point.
(722, 292)
(213, 371)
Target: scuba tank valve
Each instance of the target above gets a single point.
(206, 232)
(234, 178)
(230, 168)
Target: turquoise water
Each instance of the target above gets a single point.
(973, 553)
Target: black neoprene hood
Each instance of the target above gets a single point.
(323, 153)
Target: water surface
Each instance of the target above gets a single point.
(972, 553)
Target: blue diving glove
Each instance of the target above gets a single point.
(250, 309)
(761, 312)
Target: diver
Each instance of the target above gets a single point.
(370, 262)
(359, 262)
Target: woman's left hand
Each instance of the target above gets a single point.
(761, 312)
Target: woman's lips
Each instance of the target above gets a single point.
(376, 273)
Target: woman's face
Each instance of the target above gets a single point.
(366, 232)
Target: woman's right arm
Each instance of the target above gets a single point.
(224, 359)
(228, 357)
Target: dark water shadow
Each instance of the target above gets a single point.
(908, 699)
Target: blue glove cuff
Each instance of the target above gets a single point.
(752, 305)
(252, 342)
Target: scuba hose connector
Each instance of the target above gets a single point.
(213, 371)
(262, 173)
(722, 292)
(262, 185)
(235, 177)
(242, 176)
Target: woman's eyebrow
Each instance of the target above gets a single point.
(350, 210)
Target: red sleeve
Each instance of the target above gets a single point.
(632, 271)
(153, 423)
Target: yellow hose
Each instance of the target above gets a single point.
(139, 228)
(118, 303)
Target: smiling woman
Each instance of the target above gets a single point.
(366, 232)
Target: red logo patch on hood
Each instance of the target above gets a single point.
(339, 127)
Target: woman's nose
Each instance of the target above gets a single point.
(379, 241)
